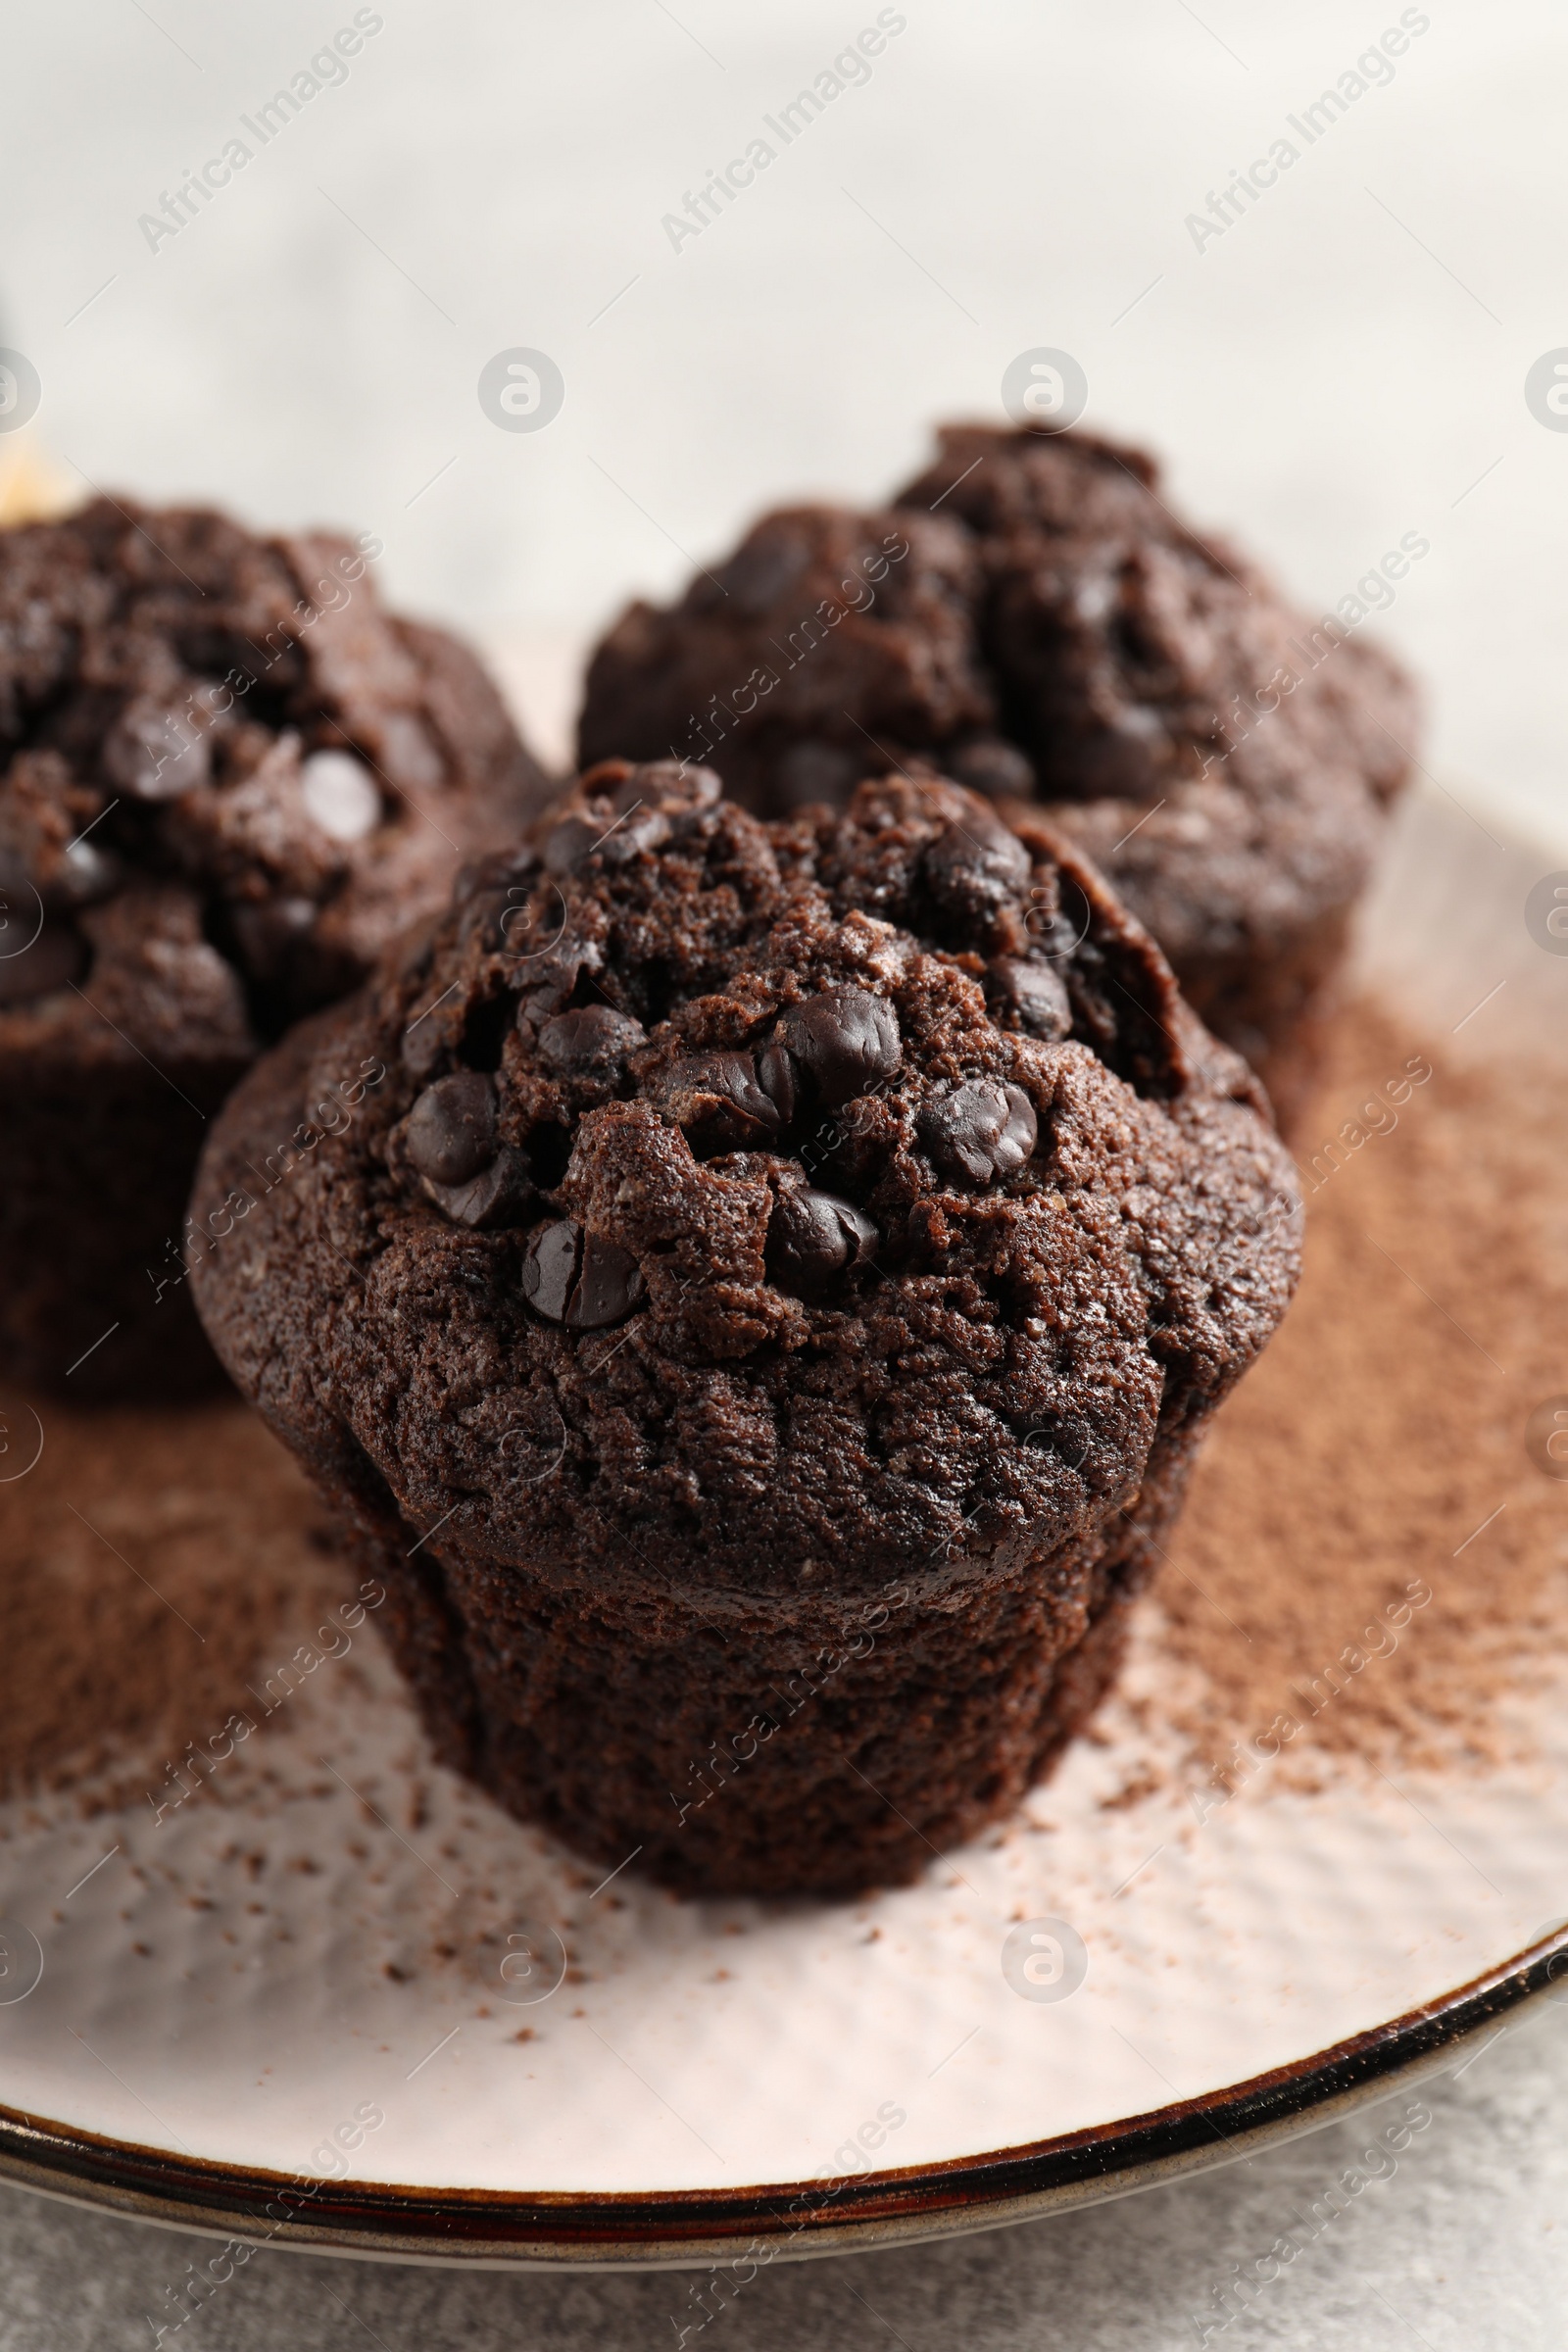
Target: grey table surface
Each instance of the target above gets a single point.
(1456, 2242)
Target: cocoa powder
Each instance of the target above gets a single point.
(1378, 1451)
(153, 1562)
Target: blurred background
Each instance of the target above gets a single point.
(1343, 364)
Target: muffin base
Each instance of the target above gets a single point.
(734, 1748)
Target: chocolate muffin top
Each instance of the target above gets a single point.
(1073, 644)
(825, 636)
(756, 1207)
(227, 776)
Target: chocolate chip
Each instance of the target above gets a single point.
(669, 785)
(592, 1042)
(775, 1075)
(975, 866)
(498, 1194)
(56, 957)
(547, 979)
(156, 754)
(86, 872)
(574, 1278)
(495, 893)
(550, 1268)
(981, 1132)
(988, 765)
(846, 1042)
(813, 1237)
(568, 844)
(341, 795)
(614, 841)
(691, 787)
(1059, 918)
(717, 1102)
(639, 830)
(609, 1286)
(452, 1128)
(1035, 995)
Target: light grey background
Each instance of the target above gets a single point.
(1344, 365)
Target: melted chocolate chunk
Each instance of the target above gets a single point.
(615, 841)
(638, 830)
(574, 1278)
(496, 894)
(592, 1042)
(718, 1102)
(813, 1236)
(846, 1042)
(156, 754)
(776, 1075)
(341, 795)
(452, 1128)
(86, 873)
(1034, 994)
(498, 1194)
(981, 1132)
(546, 977)
(550, 1269)
(975, 866)
(569, 843)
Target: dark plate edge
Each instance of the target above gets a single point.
(792, 2221)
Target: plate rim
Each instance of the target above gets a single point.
(699, 2229)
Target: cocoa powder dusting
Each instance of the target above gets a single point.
(1379, 1449)
(155, 1563)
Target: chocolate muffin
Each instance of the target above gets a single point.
(228, 779)
(760, 1330)
(1031, 618)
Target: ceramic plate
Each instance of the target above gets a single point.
(334, 1999)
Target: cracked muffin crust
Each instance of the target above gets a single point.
(761, 1327)
(228, 779)
(1051, 633)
